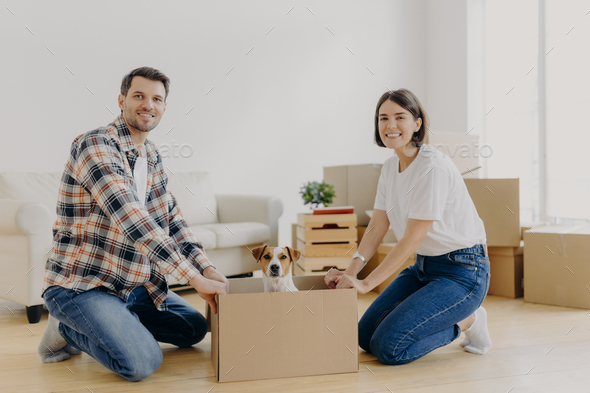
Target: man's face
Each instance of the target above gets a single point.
(144, 104)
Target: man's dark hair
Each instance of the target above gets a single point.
(406, 99)
(148, 73)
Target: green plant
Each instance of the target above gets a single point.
(317, 193)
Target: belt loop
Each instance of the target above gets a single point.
(485, 249)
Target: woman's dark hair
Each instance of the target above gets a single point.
(148, 73)
(406, 99)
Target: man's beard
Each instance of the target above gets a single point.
(131, 120)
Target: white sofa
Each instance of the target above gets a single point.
(226, 225)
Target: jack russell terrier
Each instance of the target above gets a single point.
(276, 265)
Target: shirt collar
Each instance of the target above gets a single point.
(127, 144)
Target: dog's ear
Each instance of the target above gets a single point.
(294, 254)
(258, 251)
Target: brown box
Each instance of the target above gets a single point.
(506, 271)
(258, 335)
(530, 226)
(497, 203)
(355, 185)
(557, 266)
(379, 256)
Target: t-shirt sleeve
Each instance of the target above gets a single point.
(429, 196)
(380, 197)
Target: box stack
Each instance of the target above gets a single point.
(325, 241)
(497, 203)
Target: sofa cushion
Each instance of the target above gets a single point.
(239, 233)
(205, 236)
(194, 193)
(31, 187)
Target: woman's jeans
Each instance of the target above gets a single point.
(419, 311)
(123, 336)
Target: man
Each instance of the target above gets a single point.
(119, 232)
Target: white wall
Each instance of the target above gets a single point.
(446, 72)
(298, 101)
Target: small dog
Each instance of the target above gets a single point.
(276, 265)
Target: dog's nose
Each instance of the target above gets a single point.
(274, 268)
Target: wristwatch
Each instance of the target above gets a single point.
(359, 256)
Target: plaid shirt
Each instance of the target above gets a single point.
(104, 237)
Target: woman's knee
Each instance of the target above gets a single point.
(387, 353)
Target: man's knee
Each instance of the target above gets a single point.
(199, 330)
(142, 364)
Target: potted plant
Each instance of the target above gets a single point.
(316, 193)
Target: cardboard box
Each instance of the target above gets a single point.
(463, 149)
(497, 203)
(530, 226)
(506, 271)
(557, 266)
(376, 260)
(258, 335)
(355, 185)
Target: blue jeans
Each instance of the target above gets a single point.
(419, 311)
(123, 336)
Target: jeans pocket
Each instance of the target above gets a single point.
(462, 259)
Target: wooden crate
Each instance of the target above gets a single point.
(326, 249)
(326, 220)
(325, 241)
(319, 266)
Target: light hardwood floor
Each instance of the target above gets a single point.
(536, 348)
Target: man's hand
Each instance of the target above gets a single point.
(331, 278)
(345, 281)
(212, 274)
(207, 289)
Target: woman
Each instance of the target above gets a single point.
(422, 196)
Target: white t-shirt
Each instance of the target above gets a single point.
(140, 175)
(431, 188)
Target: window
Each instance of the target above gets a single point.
(567, 101)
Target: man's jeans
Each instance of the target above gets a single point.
(124, 336)
(419, 311)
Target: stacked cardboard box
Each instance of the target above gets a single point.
(258, 335)
(506, 271)
(325, 241)
(497, 203)
(556, 266)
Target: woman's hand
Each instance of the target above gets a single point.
(346, 281)
(331, 277)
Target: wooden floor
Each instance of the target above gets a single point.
(536, 349)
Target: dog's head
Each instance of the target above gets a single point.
(275, 261)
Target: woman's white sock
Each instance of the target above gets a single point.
(477, 338)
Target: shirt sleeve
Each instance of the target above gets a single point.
(429, 196)
(185, 239)
(101, 171)
(380, 197)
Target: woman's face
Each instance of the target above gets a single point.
(396, 125)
